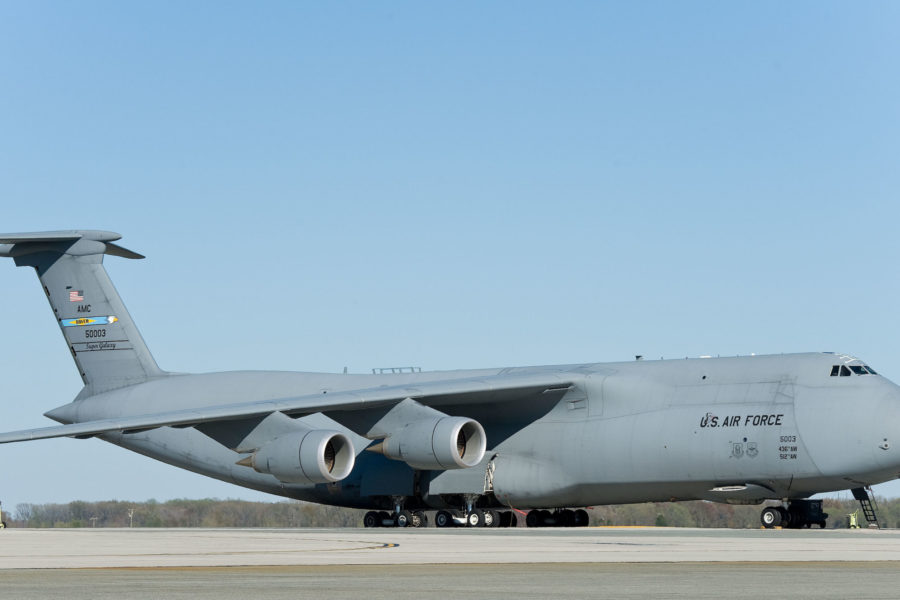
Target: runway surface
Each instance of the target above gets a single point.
(93, 548)
(398, 563)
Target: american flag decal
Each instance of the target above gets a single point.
(76, 296)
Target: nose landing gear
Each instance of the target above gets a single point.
(772, 516)
(797, 514)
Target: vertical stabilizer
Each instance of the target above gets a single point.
(106, 345)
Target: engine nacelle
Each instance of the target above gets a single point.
(312, 456)
(438, 444)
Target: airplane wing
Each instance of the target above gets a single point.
(432, 393)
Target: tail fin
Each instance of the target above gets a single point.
(107, 347)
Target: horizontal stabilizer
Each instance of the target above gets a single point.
(79, 242)
(52, 236)
(117, 250)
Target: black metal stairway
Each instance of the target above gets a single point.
(867, 503)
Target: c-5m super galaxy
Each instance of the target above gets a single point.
(472, 445)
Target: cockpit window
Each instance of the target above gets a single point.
(847, 370)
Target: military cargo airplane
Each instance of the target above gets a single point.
(477, 446)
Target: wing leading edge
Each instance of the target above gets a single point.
(433, 393)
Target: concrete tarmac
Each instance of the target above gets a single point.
(464, 563)
(98, 548)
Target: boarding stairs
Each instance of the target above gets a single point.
(868, 505)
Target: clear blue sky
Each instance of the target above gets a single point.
(320, 185)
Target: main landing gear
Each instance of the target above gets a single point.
(492, 518)
(475, 517)
(402, 518)
(797, 514)
(399, 518)
(470, 516)
(443, 518)
(558, 518)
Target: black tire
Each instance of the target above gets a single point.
(533, 518)
(821, 524)
(565, 518)
(581, 518)
(419, 519)
(491, 518)
(372, 519)
(505, 518)
(475, 518)
(546, 517)
(443, 519)
(770, 517)
(787, 519)
(403, 518)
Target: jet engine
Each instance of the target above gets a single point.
(311, 456)
(437, 444)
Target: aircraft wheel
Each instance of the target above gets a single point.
(581, 518)
(533, 518)
(443, 519)
(546, 517)
(505, 518)
(566, 518)
(787, 519)
(419, 519)
(770, 517)
(491, 518)
(821, 524)
(475, 518)
(403, 518)
(372, 519)
(387, 519)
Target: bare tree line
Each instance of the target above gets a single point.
(240, 513)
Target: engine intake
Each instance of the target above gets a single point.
(313, 456)
(438, 444)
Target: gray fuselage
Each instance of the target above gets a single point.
(740, 429)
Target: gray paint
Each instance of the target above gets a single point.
(568, 435)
